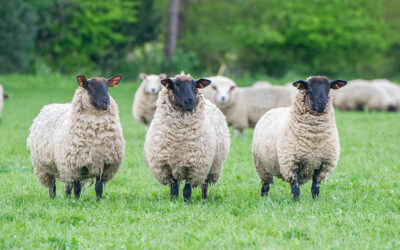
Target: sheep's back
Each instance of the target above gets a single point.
(43, 131)
(265, 138)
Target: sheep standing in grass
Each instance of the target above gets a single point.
(188, 138)
(360, 94)
(392, 89)
(144, 104)
(243, 107)
(300, 142)
(78, 141)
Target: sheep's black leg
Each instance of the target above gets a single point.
(187, 192)
(68, 189)
(315, 184)
(99, 188)
(52, 187)
(174, 189)
(204, 191)
(265, 189)
(295, 189)
(77, 189)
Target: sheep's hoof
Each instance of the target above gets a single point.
(315, 190)
(68, 190)
(295, 190)
(187, 192)
(174, 190)
(77, 189)
(99, 188)
(204, 191)
(265, 189)
(52, 188)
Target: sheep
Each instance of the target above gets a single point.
(300, 142)
(144, 104)
(392, 89)
(78, 141)
(360, 93)
(261, 84)
(243, 107)
(188, 138)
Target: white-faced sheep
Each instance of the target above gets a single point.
(360, 94)
(144, 104)
(391, 88)
(243, 107)
(188, 138)
(300, 142)
(78, 141)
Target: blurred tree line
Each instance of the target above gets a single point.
(341, 38)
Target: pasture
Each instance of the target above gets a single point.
(358, 207)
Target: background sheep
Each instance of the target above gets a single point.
(300, 142)
(144, 104)
(243, 107)
(78, 141)
(261, 84)
(391, 88)
(360, 94)
(188, 138)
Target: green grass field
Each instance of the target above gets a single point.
(359, 205)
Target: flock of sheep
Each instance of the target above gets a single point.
(187, 138)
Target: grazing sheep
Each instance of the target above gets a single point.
(188, 138)
(78, 141)
(360, 93)
(391, 88)
(144, 104)
(243, 107)
(261, 84)
(300, 142)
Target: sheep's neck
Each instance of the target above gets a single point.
(304, 119)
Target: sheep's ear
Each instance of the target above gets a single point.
(337, 84)
(300, 84)
(232, 88)
(81, 79)
(163, 76)
(167, 83)
(202, 83)
(113, 81)
(143, 76)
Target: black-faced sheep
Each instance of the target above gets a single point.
(78, 141)
(144, 104)
(188, 138)
(301, 142)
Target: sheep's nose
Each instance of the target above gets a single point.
(188, 100)
(223, 98)
(153, 90)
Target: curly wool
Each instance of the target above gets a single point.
(189, 146)
(75, 141)
(295, 140)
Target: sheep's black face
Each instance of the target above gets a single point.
(185, 91)
(97, 89)
(317, 88)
